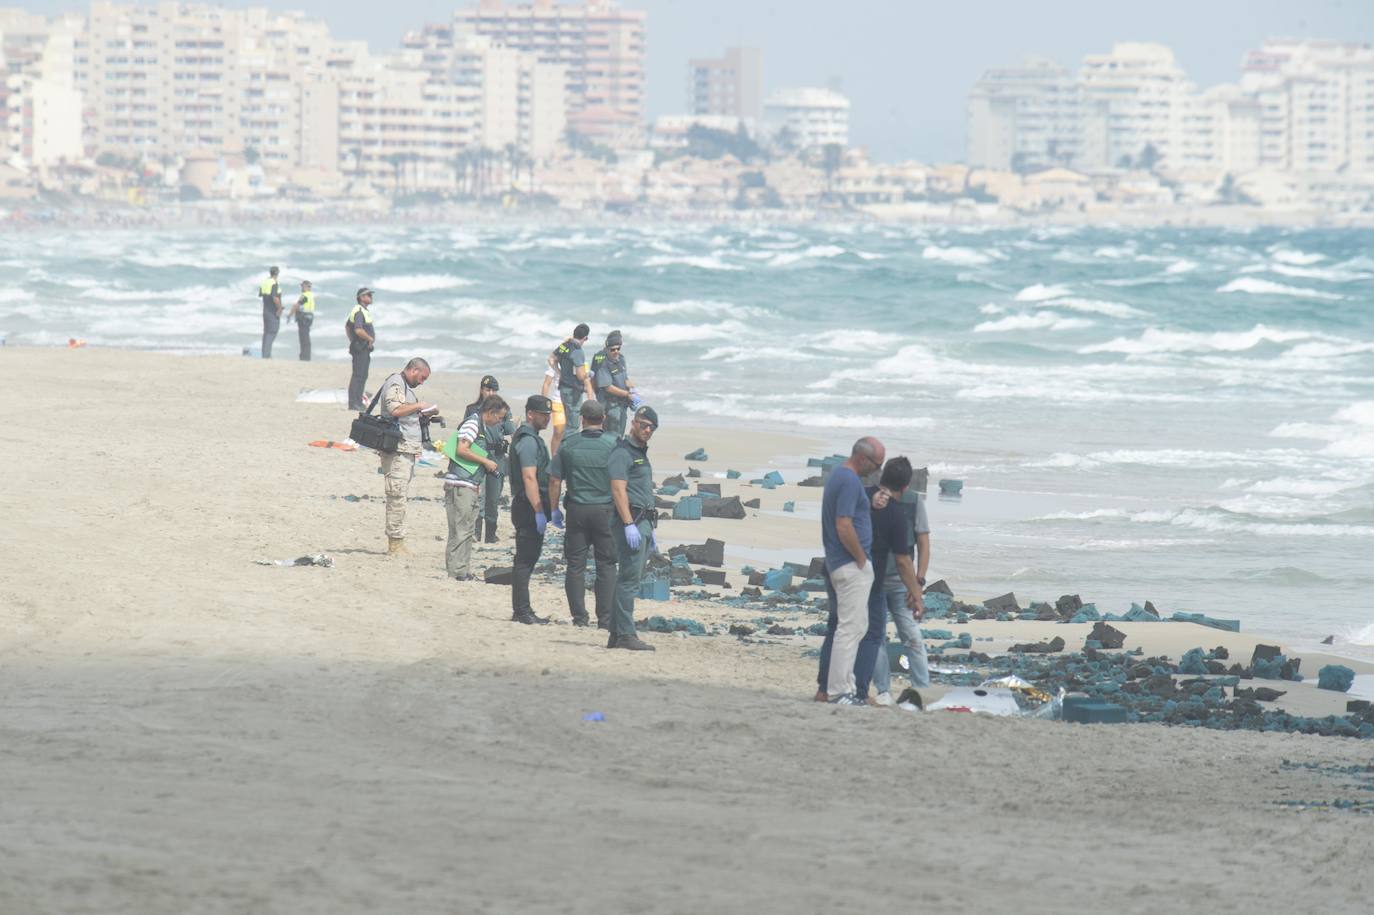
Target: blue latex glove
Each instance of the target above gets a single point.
(636, 401)
(632, 536)
(540, 522)
(557, 518)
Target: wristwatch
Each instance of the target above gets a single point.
(920, 581)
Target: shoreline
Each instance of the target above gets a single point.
(770, 535)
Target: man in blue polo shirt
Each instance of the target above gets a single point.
(847, 535)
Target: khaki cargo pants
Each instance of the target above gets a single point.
(398, 468)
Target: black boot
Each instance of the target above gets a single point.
(529, 618)
(491, 532)
(630, 643)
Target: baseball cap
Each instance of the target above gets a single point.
(648, 414)
(490, 383)
(362, 291)
(538, 404)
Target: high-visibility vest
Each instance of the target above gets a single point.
(308, 303)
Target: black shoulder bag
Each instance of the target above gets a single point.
(382, 433)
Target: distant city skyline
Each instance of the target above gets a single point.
(907, 68)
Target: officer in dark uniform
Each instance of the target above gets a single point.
(361, 337)
(610, 377)
(573, 379)
(304, 313)
(494, 442)
(583, 461)
(632, 490)
(529, 504)
(270, 293)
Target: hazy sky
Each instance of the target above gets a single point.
(905, 64)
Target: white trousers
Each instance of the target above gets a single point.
(852, 585)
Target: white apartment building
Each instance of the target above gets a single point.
(1025, 118)
(600, 46)
(40, 106)
(814, 117)
(1134, 97)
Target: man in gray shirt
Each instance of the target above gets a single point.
(400, 401)
(908, 620)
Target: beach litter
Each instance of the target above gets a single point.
(1203, 620)
(319, 559)
(1337, 677)
(989, 701)
(675, 624)
(951, 487)
(346, 445)
(697, 455)
(594, 716)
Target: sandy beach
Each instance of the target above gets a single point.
(185, 730)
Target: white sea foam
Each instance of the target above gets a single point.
(815, 252)
(1096, 306)
(1300, 486)
(991, 309)
(855, 341)
(1181, 266)
(1040, 320)
(1253, 286)
(1329, 274)
(1362, 636)
(1177, 457)
(1113, 252)
(14, 295)
(687, 333)
(1154, 340)
(965, 257)
(185, 294)
(1358, 439)
(1212, 521)
(701, 262)
(1290, 256)
(684, 307)
(1324, 432)
(1040, 293)
(421, 282)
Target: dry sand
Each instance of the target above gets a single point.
(186, 731)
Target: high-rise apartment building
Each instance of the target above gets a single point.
(600, 46)
(1134, 98)
(727, 86)
(40, 106)
(813, 117)
(1026, 117)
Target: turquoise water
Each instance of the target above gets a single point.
(1180, 415)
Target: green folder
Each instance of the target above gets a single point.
(450, 450)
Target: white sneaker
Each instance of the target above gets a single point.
(908, 707)
(885, 699)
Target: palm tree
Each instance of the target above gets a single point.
(833, 159)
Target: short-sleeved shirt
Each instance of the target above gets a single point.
(529, 450)
(469, 432)
(492, 434)
(913, 506)
(609, 370)
(269, 290)
(360, 317)
(892, 535)
(583, 462)
(570, 358)
(844, 497)
(396, 393)
(630, 463)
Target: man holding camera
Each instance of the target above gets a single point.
(462, 483)
(400, 402)
(530, 508)
(632, 491)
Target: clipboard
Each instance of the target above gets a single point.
(449, 449)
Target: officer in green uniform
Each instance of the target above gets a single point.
(573, 379)
(583, 461)
(611, 378)
(270, 293)
(304, 313)
(529, 504)
(632, 490)
(361, 338)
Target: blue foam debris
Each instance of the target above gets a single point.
(936, 634)
(965, 640)
(951, 487)
(774, 477)
(676, 624)
(669, 489)
(1204, 620)
(732, 474)
(789, 506)
(1093, 644)
(1337, 677)
(697, 455)
(777, 579)
(1194, 662)
(1138, 614)
(937, 604)
(1003, 618)
(1094, 712)
(1086, 614)
(688, 508)
(818, 628)
(653, 589)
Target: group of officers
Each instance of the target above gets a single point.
(593, 479)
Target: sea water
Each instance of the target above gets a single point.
(1179, 415)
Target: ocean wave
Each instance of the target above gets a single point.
(1362, 636)
(1329, 274)
(1324, 432)
(687, 333)
(1181, 266)
(421, 282)
(1113, 252)
(1040, 320)
(813, 419)
(196, 294)
(1175, 457)
(815, 252)
(1301, 486)
(700, 262)
(855, 341)
(964, 257)
(688, 307)
(1290, 256)
(1154, 340)
(1097, 307)
(1215, 521)
(1040, 293)
(1357, 439)
(1254, 286)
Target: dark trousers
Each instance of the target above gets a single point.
(629, 574)
(303, 323)
(271, 323)
(529, 543)
(490, 505)
(615, 419)
(872, 642)
(589, 526)
(362, 361)
(572, 403)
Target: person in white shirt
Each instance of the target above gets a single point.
(462, 485)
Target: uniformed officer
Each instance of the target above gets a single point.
(270, 293)
(632, 490)
(494, 442)
(400, 401)
(304, 313)
(529, 504)
(610, 376)
(573, 379)
(583, 462)
(361, 337)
